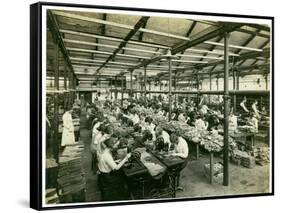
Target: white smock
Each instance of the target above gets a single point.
(68, 130)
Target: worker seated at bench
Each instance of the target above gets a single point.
(180, 150)
(110, 180)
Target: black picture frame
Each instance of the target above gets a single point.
(36, 104)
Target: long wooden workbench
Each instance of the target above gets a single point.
(139, 179)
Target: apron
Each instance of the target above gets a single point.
(68, 130)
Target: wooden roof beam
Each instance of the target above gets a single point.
(209, 33)
(188, 33)
(114, 24)
(260, 47)
(110, 38)
(54, 29)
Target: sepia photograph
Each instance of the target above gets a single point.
(141, 105)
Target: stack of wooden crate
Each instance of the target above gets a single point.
(71, 178)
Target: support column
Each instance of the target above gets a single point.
(210, 86)
(141, 85)
(69, 88)
(217, 82)
(115, 85)
(149, 89)
(122, 90)
(197, 95)
(131, 86)
(237, 79)
(266, 83)
(234, 88)
(170, 88)
(56, 142)
(226, 112)
(74, 88)
(136, 88)
(111, 88)
(65, 96)
(144, 83)
(175, 79)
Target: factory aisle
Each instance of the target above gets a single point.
(92, 191)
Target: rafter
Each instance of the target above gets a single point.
(208, 34)
(54, 29)
(239, 50)
(211, 49)
(137, 26)
(188, 33)
(141, 33)
(260, 47)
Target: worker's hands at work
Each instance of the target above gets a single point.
(129, 155)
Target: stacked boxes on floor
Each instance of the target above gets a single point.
(262, 155)
(52, 196)
(242, 158)
(71, 180)
(218, 172)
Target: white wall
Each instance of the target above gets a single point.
(245, 83)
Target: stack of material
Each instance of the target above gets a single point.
(261, 155)
(159, 119)
(261, 136)
(242, 158)
(70, 176)
(218, 172)
(247, 128)
(51, 196)
(213, 142)
(51, 172)
(51, 163)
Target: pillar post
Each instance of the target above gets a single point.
(122, 90)
(234, 88)
(144, 84)
(131, 85)
(65, 101)
(115, 85)
(170, 88)
(226, 112)
(210, 86)
(56, 142)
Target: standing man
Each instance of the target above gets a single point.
(68, 128)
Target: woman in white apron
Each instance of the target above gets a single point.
(68, 129)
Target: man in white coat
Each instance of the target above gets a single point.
(68, 129)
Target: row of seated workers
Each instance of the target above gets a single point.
(105, 140)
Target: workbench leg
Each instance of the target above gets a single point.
(197, 151)
(253, 142)
(142, 187)
(211, 167)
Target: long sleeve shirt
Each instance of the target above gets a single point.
(135, 119)
(242, 104)
(200, 124)
(106, 163)
(166, 137)
(181, 118)
(181, 149)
